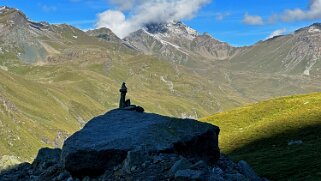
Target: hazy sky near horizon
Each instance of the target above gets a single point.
(236, 22)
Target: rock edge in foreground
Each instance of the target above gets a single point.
(138, 165)
(105, 141)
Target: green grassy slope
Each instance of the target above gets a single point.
(33, 115)
(50, 101)
(260, 134)
(42, 104)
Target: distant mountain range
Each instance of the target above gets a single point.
(297, 53)
(53, 78)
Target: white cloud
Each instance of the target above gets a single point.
(48, 8)
(126, 4)
(277, 32)
(221, 16)
(252, 20)
(116, 21)
(142, 12)
(313, 12)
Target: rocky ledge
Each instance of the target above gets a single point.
(131, 145)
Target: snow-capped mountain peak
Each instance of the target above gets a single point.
(315, 28)
(171, 29)
(178, 42)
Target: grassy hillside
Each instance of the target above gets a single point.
(261, 133)
(42, 104)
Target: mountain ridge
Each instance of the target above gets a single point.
(32, 42)
(162, 38)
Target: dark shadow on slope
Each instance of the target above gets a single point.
(277, 158)
(46, 165)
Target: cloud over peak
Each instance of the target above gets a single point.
(141, 12)
(313, 12)
(277, 32)
(252, 19)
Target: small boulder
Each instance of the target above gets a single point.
(133, 159)
(217, 171)
(180, 165)
(63, 176)
(295, 142)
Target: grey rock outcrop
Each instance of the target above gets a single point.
(155, 167)
(105, 140)
(104, 34)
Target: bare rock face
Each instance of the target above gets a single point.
(105, 141)
(104, 34)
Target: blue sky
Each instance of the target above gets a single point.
(236, 22)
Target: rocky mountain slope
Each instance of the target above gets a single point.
(104, 34)
(294, 54)
(177, 42)
(34, 42)
(163, 148)
(298, 53)
(279, 66)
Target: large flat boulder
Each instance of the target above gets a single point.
(105, 140)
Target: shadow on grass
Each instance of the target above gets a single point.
(275, 159)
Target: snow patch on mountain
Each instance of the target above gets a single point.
(171, 30)
(181, 30)
(309, 67)
(314, 30)
(167, 33)
(2, 8)
(161, 38)
(158, 37)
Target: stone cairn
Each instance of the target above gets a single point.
(125, 104)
